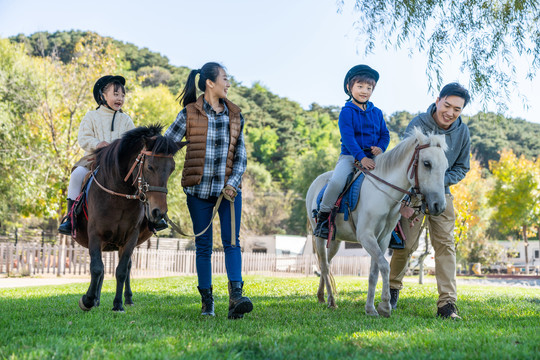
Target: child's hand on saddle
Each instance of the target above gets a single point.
(102, 144)
(375, 150)
(368, 163)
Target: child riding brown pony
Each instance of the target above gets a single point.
(126, 200)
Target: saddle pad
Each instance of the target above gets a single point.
(350, 198)
(81, 203)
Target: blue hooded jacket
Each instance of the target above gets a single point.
(361, 129)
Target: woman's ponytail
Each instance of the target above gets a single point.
(189, 94)
(209, 71)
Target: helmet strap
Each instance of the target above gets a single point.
(359, 102)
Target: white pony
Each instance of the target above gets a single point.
(377, 212)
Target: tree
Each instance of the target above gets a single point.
(46, 99)
(516, 194)
(154, 75)
(491, 132)
(17, 98)
(472, 218)
(486, 36)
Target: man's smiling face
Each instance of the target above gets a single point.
(448, 110)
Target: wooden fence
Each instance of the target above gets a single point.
(34, 259)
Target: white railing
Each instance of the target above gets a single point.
(34, 259)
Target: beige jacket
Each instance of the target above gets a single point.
(96, 127)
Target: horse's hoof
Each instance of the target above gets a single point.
(120, 310)
(372, 312)
(81, 305)
(129, 304)
(384, 309)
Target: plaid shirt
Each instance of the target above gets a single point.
(217, 147)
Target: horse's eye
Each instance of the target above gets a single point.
(150, 168)
(427, 164)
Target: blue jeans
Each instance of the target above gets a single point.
(201, 213)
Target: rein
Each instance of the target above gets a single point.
(216, 208)
(143, 187)
(414, 173)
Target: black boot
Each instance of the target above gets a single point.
(394, 296)
(321, 230)
(207, 302)
(448, 311)
(65, 227)
(238, 304)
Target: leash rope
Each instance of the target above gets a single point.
(215, 211)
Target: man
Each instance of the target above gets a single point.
(442, 117)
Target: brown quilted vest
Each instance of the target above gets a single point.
(196, 130)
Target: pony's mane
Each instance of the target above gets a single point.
(395, 157)
(110, 158)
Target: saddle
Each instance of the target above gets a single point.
(80, 205)
(349, 197)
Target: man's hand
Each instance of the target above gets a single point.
(407, 213)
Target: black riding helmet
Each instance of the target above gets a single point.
(359, 70)
(98, 91)
(101, 83)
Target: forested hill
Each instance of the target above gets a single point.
(285, 120)
(45, 90)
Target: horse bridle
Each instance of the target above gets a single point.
(143, 187)
(413, 173)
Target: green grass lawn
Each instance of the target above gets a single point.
(286, 323)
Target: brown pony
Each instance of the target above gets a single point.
(127, 199)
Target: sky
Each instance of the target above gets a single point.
(299, 49)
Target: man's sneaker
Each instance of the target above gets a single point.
(448, 311)
(394, 296)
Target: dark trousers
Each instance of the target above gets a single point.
(201, 212)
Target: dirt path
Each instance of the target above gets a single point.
(17, 282)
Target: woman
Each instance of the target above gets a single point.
(215, 162)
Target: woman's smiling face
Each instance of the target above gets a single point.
(221, 85)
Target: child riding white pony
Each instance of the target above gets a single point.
(418, 160)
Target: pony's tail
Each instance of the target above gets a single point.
(189, 93)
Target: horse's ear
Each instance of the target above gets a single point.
(149, 142)
(181, 144)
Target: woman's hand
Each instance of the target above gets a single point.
(368, 163)
(375, 150)
(229, 192)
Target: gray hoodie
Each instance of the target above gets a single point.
(458, 141)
